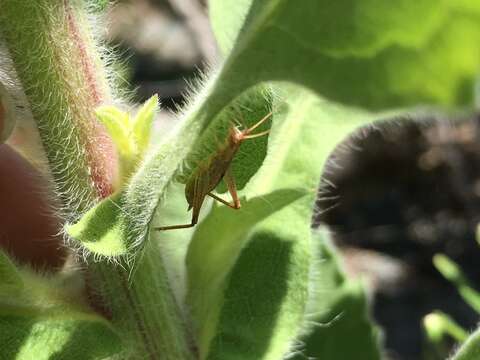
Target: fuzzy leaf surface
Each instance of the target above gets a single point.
(470, 350)
(369, 53)
(248, 280)
(337, 309)
(101, 229)
(10, 279)
(44, 318)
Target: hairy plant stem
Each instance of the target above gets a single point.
(64, 81)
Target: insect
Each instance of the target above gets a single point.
(212, 170)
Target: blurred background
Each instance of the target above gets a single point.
(162, 45)
(394, 195)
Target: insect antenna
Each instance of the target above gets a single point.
(265, 118)
(257, 135)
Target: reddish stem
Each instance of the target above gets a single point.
(101, 153)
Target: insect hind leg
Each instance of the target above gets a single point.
(233, 205)
(232, 189)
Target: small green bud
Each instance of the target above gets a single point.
(130, 135)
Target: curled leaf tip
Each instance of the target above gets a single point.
(100, 231)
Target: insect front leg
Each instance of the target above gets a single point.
(182, 226)
(232, 189)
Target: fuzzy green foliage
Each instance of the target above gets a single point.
(61, 73)
(149, 321)
(337, 307)
(99, 231)
(470, 350)
(367, 53)
(11, 280)
(255, 278)
(44, 318)
(249, 292)
(130, 135)
(267, 25)
(105, 229)
(208, 273)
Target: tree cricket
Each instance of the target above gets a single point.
(212, 170)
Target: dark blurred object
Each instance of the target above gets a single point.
(164, 43)
(30, 225)
(408, 189)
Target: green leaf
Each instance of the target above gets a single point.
(346, 318)
(142, 123)
(368, 53)
(470, 350)
(207, 272)
(101, 230)
(53, 336)
(438, 68)
(248, 292)
(337, 310)
(46, 318)
(10, 279)
(210, 113)
(359, 32)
